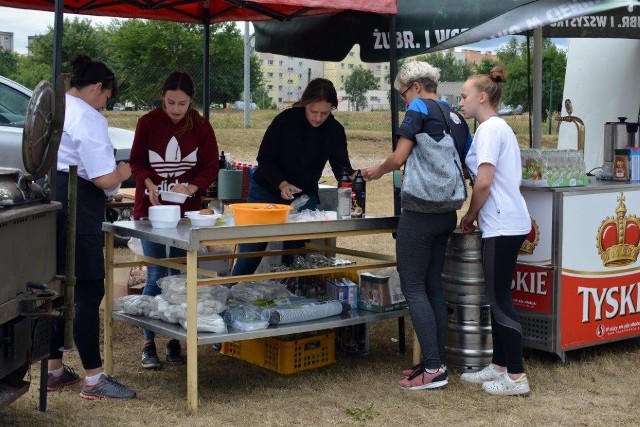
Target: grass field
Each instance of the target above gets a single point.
(598, 386)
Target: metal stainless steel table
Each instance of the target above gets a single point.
(191, 239)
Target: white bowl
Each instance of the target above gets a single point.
(156, 223)
(164, 213)
(173, 197)
(200, 220)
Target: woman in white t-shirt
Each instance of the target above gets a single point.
(85, 143)
(501, 213)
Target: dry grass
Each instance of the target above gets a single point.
(597, 387)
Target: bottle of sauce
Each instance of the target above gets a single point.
(223, 161)
(359, 196)
(344, 195)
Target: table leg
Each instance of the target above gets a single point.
(108, 304)
(192, 331)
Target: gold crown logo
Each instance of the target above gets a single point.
(618, 238)
(531, 241)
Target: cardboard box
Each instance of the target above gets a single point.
(380, 292)
(342, 290)
(120, 284)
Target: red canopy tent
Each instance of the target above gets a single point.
(192, 11)
(212, 11)
(203, 12)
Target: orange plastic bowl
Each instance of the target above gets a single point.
(259, 213)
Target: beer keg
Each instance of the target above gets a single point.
(469, 345)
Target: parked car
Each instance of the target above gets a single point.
(239, 105)
(507, 110)
(14, 100)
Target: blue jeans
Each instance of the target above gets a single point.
(156, 272)
(258, 194)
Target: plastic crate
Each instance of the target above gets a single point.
(285, 356)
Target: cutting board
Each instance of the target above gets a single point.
(128, 193)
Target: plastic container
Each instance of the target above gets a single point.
(229, 184)
(259, 213)
(285, 356)
(173, 197)
(202, 220)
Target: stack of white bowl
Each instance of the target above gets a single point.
(164, 216)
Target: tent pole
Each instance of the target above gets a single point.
(393, 104)
(205, 61)
(537, 88)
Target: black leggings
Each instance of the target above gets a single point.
(420, 250)
(499, 258)
(86, 324)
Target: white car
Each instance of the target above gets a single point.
(14, 99)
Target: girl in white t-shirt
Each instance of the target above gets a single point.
(85, 143)
(501, 213)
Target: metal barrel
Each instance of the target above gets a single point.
(469, 346)
(462, 276)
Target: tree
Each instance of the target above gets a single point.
(357, 84)
(8, 63)
(514, 59)
(451, 69)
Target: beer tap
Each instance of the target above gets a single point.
(572, 119)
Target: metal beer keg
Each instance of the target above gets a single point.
(469, 345)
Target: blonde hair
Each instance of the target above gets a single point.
(490, 84)
(418, 71)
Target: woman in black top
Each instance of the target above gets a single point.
(293, 153)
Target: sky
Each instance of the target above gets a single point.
(23, 23)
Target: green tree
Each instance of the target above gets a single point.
(79, 36)
(8, 63)
(484, 66)
(451, 69)
(514, 59)
(357, 84)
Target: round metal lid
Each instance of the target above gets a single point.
(43, 128)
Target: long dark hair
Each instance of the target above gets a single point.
(85, 71)
(179, 80)
(318, 90)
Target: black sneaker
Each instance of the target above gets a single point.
(107, 388)
(173, 352)
(68, 377)
(150, 356)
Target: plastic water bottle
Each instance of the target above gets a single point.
(344, 196)
(359, 196)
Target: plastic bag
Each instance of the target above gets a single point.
(136, 305)
(257, 291)
(135, 245)
(208, 323)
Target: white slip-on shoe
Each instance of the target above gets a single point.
(489, 373)
(505, 386)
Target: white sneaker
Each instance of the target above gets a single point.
(489, 373)
(505, 386)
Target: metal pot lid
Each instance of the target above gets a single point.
(43, 126)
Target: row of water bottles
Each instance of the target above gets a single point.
(552, 164)
(351, 195)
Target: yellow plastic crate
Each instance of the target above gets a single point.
(285, 356)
